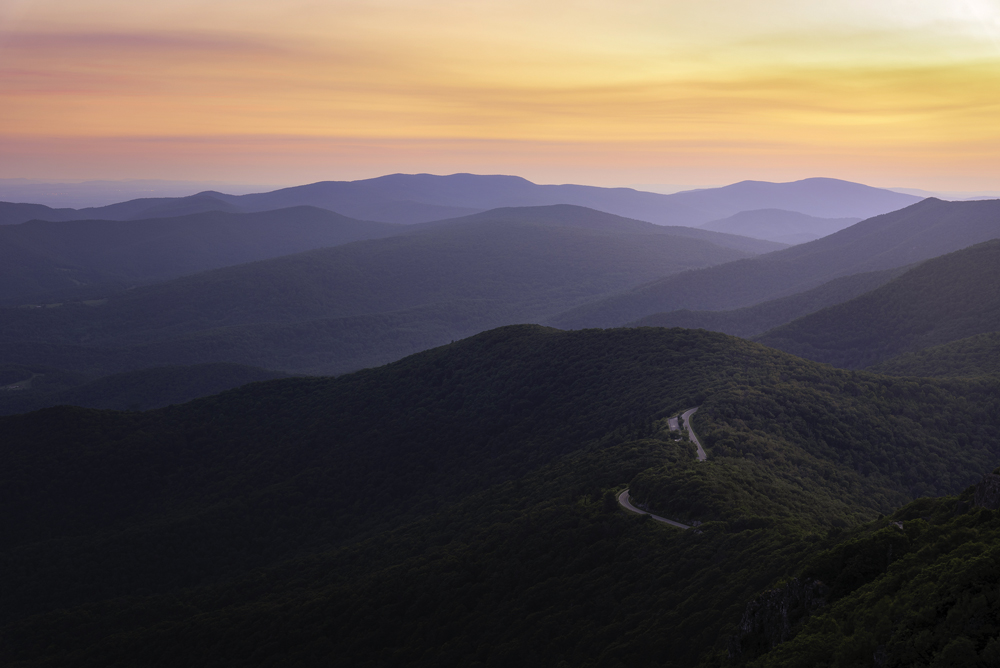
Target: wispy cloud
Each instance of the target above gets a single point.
(84, 42)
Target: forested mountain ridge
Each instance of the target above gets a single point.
(972, 356)
(924, 230)
(452, 507)
(941, 300)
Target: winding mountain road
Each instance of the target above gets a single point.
(623, 498)
(702, 455)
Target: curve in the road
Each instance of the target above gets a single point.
(625, 502)
(686, 416)
(623, 497)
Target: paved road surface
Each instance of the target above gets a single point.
(702, 456)
(623, 499)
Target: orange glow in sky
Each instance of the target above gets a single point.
(891, 93)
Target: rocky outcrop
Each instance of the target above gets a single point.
(988, 492)
(772, 618)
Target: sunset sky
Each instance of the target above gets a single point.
(891, 93)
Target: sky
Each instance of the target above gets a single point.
(895, 93)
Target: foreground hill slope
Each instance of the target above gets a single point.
(338, 309)
(93, 257)
(915, 588)
(459, 506)
(941, 300)
(921, 231)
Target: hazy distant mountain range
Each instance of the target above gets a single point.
(93, 193)
(788, 227)
(415, 198)
(918, 232)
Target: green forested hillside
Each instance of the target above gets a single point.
(752, 320)
(942, 300)
(87, 259)
(338, 309)
(458, 507)
(924, 230)
(974, 356)
(917, 588)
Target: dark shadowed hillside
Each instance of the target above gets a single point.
(41, 387)
(459, 506)
(915, 588)
(53, 261)
(942, 300)
(338, 309)
(925, 230)
(752, 320)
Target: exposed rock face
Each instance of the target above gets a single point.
(988, 492)
(770, 619)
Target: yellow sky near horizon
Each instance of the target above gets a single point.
(898, 93)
